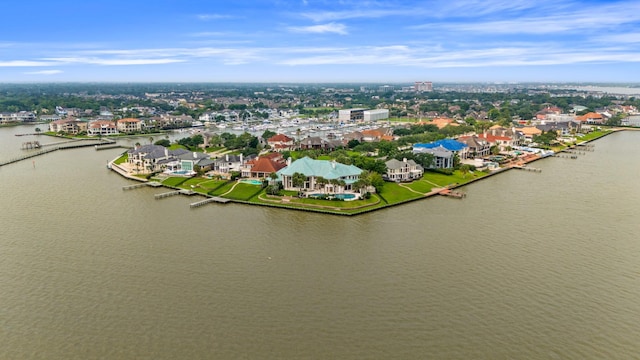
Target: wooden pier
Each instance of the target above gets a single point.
(565, 156)
(209, 200)
(172, 193)
(526, 168)
(453, 194)
(135, 186)
(143, 184)
(30, 145)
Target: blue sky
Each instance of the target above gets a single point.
(320, 41)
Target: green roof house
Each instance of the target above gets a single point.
(337, 177)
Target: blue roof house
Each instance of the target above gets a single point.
(443, 151)
(341, 177)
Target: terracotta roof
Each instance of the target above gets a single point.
(492, 138)
(279, 138)
(266, 165)
(128, 120)
(587, 116)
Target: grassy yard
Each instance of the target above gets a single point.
(243, 191)
(394, 193)
(593, 135)
(421, 186)
(174, 181)
(122, 159)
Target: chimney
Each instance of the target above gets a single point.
(195, 156)
(166, 152)
(226, 157)
(241, 159)
(404, 160)
(289, 161)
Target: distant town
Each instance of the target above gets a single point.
(340, 148)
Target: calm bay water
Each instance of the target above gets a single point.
(527, 266)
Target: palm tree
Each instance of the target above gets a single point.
(273, 176)
(321, 181)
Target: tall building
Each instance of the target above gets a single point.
(421, 86)
(351, 115)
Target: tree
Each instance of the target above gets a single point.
(273, 176)
(163, 142)
(321, 181)
(298, 180)
(465, 169)
(267, 134)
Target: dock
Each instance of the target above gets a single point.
(565, 156)
(453, 194)
(143, 184)
(209, 200)
(526, 168)
(172, 193)
(135, 186)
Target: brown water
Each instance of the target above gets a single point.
(527, 266)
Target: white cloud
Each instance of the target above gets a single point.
(207, 17)
(24, 63)
(113, 61)
(335, 28)
(44, 72)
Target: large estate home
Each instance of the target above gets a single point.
(443, 152)
(102, 127)
(263, 166)
(318, 143)
(153, 158)
(68, 126)
(129, 125)
(591, 118)
(405, 170)
(476, 146)
(321, 175)
(227, 164)
(281, 142)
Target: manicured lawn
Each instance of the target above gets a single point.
(394, 193)
(443, 180)
(592, 135)
(243, 191)
(222, 189)
(122, 159)
(174, 181)
(420, 186)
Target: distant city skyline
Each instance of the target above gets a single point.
(395, 41)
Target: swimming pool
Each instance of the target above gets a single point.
(345, 196)
(251, 181)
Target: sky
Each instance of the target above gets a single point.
(392, 41)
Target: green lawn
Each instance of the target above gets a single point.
(222, 189)
(243, 191)
(592, 135)
(122, 159)
(443, 180)
(174, 181)
(421, 186)
(394, 193)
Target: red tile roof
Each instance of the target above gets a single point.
(266, 165)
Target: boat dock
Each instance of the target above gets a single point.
(172, 193)
(137, 186)
(453, 194)
(526, 168)
(565, 156)
(209, 200)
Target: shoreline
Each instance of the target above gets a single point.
(331, 210)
